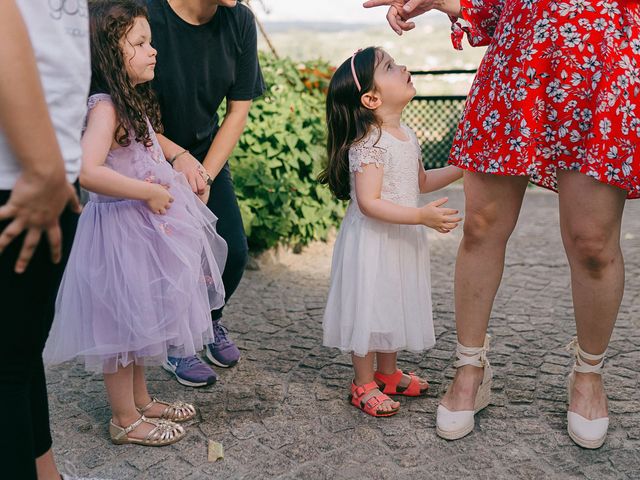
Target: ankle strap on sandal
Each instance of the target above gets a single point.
(148, 405)
(581, 366)
(476, 356)
(124, 431)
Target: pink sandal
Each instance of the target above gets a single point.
(372, 402)
(390, 384)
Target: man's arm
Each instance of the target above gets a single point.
(228, 135)
(41, 192)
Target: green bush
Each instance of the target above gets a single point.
(279, 156)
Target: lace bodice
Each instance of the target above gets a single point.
(400, 160)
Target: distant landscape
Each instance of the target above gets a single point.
(428, 47)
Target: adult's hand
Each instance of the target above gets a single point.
(400, 11)
(191, 168)
(35, 205)
(41, 191)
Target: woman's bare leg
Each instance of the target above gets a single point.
(492, 206)
(590, 222)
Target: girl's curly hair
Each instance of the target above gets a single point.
(110, 21)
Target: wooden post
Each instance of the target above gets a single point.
(262, 30)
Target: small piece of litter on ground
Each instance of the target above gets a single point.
(629, 236)
(216, 451)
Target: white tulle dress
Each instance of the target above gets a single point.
(380, 293)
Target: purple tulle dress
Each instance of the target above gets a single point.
(138, 283)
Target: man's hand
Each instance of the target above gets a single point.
(35, 206)
(191, 168)
(207, 191)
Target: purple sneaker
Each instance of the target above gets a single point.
(190, 371)
(222, 352)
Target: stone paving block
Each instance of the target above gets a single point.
(141, 458)
(116, 471)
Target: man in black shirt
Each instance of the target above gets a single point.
(207, 52)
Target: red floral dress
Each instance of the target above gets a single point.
(558, 88)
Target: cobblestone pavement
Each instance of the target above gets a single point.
(282, 412)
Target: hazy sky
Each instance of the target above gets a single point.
(319, 10)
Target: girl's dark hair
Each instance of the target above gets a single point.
(110, 21)
(348, 121)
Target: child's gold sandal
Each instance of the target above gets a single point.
(175, 412)
(164, 433)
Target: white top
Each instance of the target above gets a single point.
(59, 33)
(401, 161)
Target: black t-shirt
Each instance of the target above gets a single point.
(199, 66)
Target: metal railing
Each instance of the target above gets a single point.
(435, 120)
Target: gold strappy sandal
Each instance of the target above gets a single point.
(164, 433)
(175, 412)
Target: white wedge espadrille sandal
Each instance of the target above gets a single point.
(454, 425)
(584, 432)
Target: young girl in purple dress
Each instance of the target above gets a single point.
(144, 271)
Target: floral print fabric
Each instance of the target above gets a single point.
(559, 88)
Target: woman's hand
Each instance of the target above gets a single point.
(158, 198)
(400, 11)
(441, 219)
(192, 170)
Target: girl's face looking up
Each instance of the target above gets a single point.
(393, 82)
(139, 55)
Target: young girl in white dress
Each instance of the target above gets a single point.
(380, 294)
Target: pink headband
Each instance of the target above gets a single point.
(353, 68)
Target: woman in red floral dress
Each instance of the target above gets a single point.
(556, 101)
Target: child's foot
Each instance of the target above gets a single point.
(145, 431)
(175, 412)
(399, 383)
(371, 400)
(223, 352)
(190, 371)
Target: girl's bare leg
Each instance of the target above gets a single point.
(119, 387)
(387, 364)
(363, 369)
